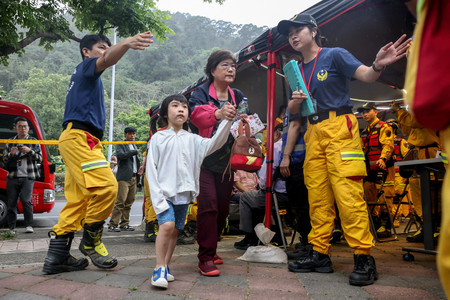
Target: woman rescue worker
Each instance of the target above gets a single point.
(334, 164)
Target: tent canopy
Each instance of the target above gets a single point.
(360, 26)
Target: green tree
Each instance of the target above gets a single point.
(138, 118)
(22, 22)
(45, 94)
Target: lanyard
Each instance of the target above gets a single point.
(312, 72)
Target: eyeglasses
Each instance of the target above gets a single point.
(226, 66)
(22, 126)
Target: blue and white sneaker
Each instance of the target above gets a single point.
(159, 278)
(170, 277)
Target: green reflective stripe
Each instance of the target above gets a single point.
(94, 165)
(352, 155)
(444, 157)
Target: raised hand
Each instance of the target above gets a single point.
(392, 52)
(140, 41)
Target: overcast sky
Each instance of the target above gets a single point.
(257, 12)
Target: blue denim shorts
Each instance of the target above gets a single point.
(175, 213)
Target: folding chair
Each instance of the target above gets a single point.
(276, 207)
(399, 200)
(379, 177)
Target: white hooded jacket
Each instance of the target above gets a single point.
(174, 161)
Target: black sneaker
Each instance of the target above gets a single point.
(250, 239)
(113, 228)
(365, 271)
(315, 262)
(127, 228)
(300, 252)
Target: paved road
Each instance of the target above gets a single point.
(31, 248)
(21, 275)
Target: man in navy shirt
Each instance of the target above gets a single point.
(90, 186)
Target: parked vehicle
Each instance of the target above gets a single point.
(43, 198)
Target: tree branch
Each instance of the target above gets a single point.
(7, 50)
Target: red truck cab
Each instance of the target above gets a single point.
(43, 198)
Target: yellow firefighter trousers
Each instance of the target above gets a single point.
(371, 191)
(334, 168)
(443, 256)
(400, 183)
(90, 186)
(149, 211)
(414, 180)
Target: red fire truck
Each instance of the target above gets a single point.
(43, 198)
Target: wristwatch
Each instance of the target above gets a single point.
(377, 70)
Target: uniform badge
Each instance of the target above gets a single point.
(322, 75)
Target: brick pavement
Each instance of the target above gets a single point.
(239, 280)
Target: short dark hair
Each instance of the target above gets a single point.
(129, 129)
(90, 40)
(164, 109)
(215, 58)
(18, 119)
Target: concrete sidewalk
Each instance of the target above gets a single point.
(238, 280)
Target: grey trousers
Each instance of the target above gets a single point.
(252, 200)
(19, 187)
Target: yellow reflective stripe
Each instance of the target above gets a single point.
(250, 160)
(444, 157)
(352, 155)
(94, 165)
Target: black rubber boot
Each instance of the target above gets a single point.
(315, 262)
(365, 271)
(150, 232)
(185, 238)
(92, 246)
(58, 257)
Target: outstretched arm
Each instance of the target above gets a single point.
(388, 54)
(112, 55)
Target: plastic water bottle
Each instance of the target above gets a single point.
(243, 106)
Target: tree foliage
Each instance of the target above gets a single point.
(23, 22)
(136, 117)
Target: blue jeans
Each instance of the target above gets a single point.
(175, 213)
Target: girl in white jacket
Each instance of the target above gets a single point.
(173, 168)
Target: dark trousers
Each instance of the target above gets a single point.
(213, 206)
(250, 201)
(19, 187)
(298, 200)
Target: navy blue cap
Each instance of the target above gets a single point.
(297, 20)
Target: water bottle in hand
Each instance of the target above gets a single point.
(243, 106)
